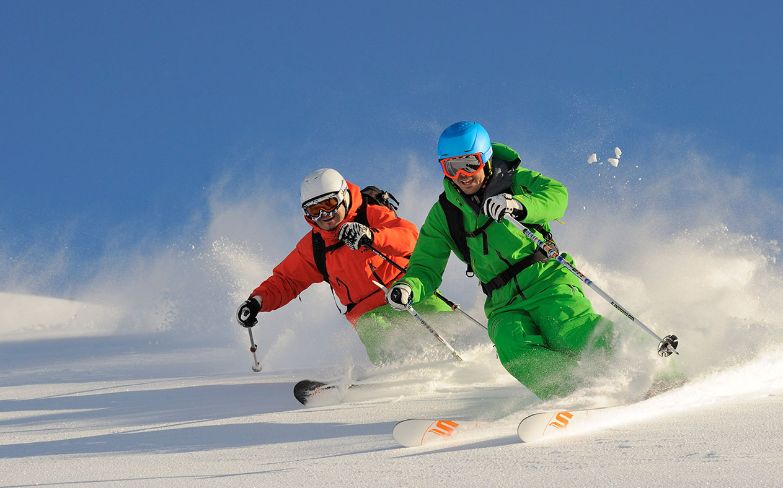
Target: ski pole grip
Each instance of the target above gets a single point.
(668, 346)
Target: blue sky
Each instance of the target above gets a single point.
(119, 118)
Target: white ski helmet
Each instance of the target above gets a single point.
(322, 184)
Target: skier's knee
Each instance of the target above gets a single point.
(511, 341)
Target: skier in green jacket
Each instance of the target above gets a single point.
(539, 319)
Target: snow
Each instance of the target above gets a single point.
(49, 317)
(615, 161)
(122, 411)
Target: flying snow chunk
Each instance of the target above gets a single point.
(613, 161)
(617, 152)
(592, 158)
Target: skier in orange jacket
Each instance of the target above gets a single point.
(335, 250)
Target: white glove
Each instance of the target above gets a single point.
(399, 296)
(499, 206)
(355, 235)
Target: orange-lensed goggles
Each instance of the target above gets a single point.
(324, 208)
(465, 165)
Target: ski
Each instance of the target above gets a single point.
(545, 425)
(306, 390)
(534, 427)
(420, 432)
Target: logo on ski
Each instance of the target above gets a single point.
(444, 428)
(561, 420)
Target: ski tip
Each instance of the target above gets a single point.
(529, 428)
(418, 432)
(536, 414)
(561, 422)
(305, 389)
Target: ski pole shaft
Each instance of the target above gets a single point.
(424, 323)
(452, 305)
(455, 306)
(427, 326)
(667, 344)
(385, 258)
(253, 347)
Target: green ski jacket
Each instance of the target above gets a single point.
(545, 200)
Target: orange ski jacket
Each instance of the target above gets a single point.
(350, 274)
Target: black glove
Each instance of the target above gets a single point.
(355, 235)
(247, 312)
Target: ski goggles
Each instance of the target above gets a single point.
(465, 165)
(324, 207)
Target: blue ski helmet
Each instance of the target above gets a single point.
(462, 138)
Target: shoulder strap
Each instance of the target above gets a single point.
(319, 254)
(456, 229)
(361, 213)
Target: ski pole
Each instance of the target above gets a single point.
(427, 326)
(452, 305)
(253, 347)
(244, 319)
(666, 346)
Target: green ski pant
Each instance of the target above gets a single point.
(390, 335)
(539, 338)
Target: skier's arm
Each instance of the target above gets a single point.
(430, 256)
(391, 234)
(289, 278)
(544, 198)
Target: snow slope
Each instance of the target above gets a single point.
(124, 411)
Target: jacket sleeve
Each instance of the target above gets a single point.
(289, 278)
(544, 198)
(392, 235)
(430, 256)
